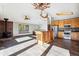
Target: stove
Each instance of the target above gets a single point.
(6, 34)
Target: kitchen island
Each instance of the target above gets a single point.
(44, 37)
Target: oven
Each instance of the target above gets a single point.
(67, 31)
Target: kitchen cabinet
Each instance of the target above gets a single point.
(68, 21)
(61, 23)
(75, 35)
(75, 22)
(60, 34)
(52, 23)
(55, 23)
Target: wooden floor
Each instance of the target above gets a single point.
(71, 45)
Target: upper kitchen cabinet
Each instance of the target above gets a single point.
(61, 23)
(68, 21)
(55, 23)
(52, 23)
(75, 22)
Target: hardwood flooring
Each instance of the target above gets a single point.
(71, 45)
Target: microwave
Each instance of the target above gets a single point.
(67, 26)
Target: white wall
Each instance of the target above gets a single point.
(16, 12)
(1, 11)
(15, 29)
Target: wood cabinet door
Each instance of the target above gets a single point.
(61, 23)
(75, 22)
(60, 34)
(75, 35)
(55, 23)
(52, 23)
(68, 21)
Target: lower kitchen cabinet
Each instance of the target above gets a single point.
(75, 35)
(60, 34)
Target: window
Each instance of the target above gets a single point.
(23, 28)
